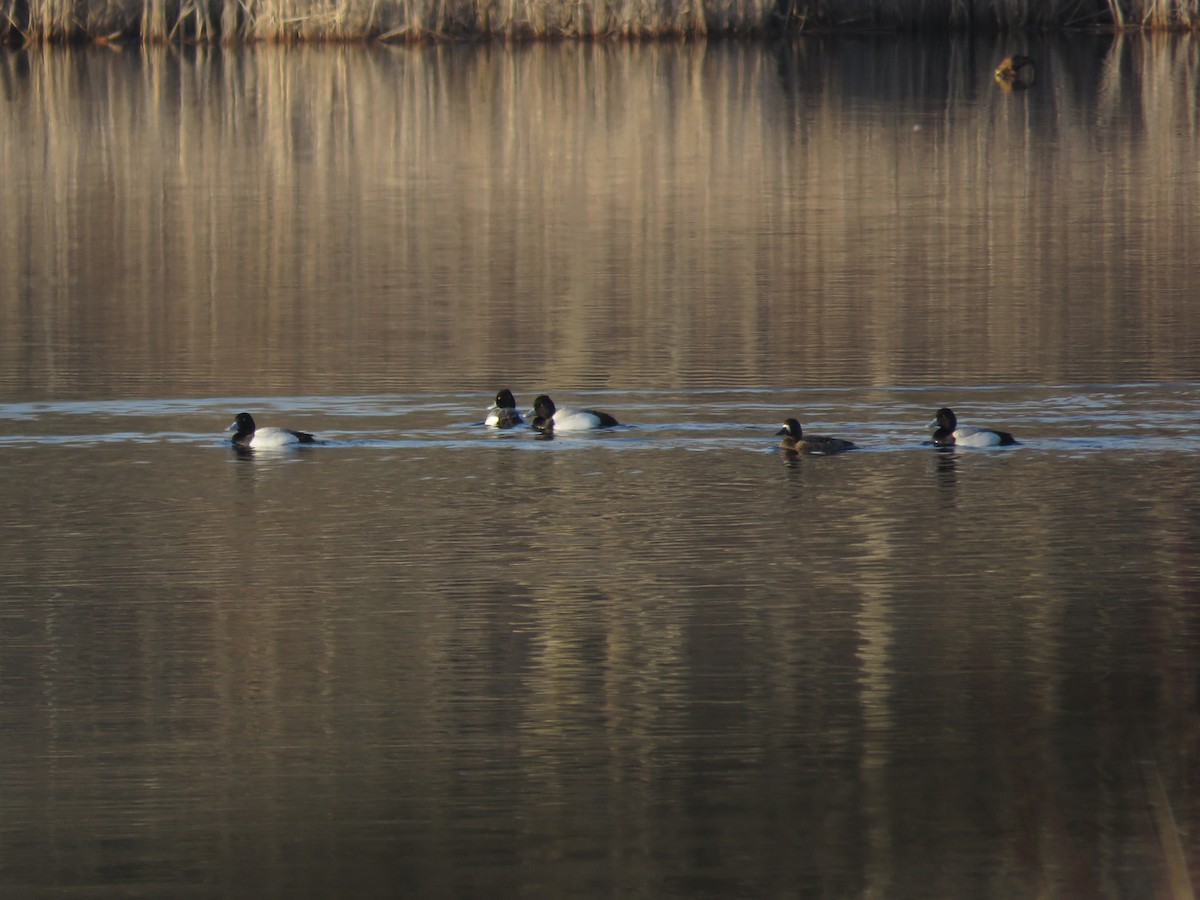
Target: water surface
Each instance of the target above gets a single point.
(666, 660)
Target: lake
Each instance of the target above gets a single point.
(426, 658)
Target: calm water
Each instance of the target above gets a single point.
(422, 659)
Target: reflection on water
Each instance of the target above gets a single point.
(334, 220)
(667, 660)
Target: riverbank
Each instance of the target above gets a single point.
(285, 21)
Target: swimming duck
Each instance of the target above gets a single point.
(504, 413)
(247, 436)
(795, 441)
(946, 433)
(547, 419)
(1015, 71)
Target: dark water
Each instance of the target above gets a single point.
(424, 659)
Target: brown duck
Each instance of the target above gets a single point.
(1015, 72)
(796, 441)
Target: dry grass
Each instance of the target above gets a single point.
(159, 21)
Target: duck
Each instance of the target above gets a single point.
(504, 413)
(946, 433)
(1015, 71)
(547, 418)
(248, 436)
(795, 441)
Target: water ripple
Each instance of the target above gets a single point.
(1063, 418)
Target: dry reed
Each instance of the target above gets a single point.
(283, 21)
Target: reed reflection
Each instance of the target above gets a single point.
(853, 221)
(718, 658)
